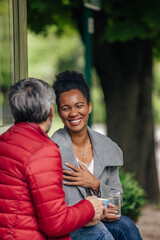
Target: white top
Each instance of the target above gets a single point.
(89, 166)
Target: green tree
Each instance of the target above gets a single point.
(125, 41)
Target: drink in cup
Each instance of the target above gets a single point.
(115, 199)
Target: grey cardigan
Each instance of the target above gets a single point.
(107, 156)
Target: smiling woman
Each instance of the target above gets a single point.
(74, 112)
(90, 160)
(74, 107)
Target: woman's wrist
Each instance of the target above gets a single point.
(96, 186)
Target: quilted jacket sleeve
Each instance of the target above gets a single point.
(44, 174)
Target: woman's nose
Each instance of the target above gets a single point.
(73, 112)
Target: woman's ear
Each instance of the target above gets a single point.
(90, 107)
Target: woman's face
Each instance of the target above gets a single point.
(74, 110)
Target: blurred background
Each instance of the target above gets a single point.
(116, 45)
(51, 54)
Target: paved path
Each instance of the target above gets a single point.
(149, 223)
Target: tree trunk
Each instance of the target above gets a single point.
(125, 70)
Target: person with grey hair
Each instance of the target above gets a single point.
(32, 200)
(31, 100)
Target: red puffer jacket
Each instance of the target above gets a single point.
(32, 203)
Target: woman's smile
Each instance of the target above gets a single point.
(75, 122)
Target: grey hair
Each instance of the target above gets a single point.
(30, 100)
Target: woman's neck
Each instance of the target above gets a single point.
(79, 139)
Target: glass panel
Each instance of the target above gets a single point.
(6, 59)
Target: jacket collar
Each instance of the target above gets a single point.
(33, 126)
(106, 153)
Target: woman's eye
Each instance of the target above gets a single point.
(79, 106)
(65, 109)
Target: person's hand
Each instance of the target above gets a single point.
(110, 210)
(81, 177)
(98, 208)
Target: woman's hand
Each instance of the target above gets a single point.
(81, 177)
(109, 214)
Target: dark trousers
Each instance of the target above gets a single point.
(123, 229)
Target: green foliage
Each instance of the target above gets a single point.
(127, 20)
(156, 92)
(123, 20)
(42, 14)
(133, 196)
